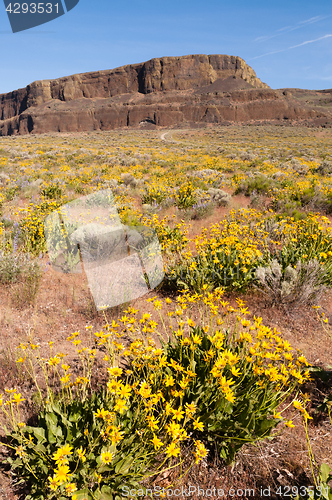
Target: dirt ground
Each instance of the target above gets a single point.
(64, 305)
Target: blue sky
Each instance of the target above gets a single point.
(288, 43)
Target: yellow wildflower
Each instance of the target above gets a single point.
(106, 457)
(157, 443)
(172, 450)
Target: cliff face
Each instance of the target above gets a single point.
(165, 91)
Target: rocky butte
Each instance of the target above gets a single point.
(167, 91)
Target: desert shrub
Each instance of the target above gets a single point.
(293, 212)
(289, 208)
(11, 192)
(78, 188)
(152, 208)
(32, 225)
(326, 203)
(23, 272)
(16, 266)
(53, 191)
(200, 210)
(172, 238)
(325, 168)
(206, 173)
(225, 257)
(186, 196)
(226, 267)
(219, 197)
(257, 201)
(4, 178)
(211, 385)
(198, 183)
(111, 183)
(287, 182)
(299, 167)
(321, 201)
(247, 156)
(260, 184)
(154, 194)
(169, 201)
(302, 284)
(7, 222)
(279, 176)
(310, 196)
(207, 176)
(84, 447)
(128, 179)
(305, 196)
(305, 240)
(25, 293)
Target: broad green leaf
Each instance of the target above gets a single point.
(38, 432)
(84, 494)
(123, 466)
(324, 473)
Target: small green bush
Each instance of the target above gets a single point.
(16, 266)
(258, 185)
(53, 191)
(154, 195)
(11, 192)
(23, 272)
(291, 209)
(186, 196)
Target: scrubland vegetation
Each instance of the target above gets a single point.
(222, 374)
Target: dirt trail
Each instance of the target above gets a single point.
(164, 134)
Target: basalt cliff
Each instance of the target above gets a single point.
(167, 91)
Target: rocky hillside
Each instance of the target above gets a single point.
(165, 92)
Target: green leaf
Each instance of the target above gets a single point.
(75, 417)
(229, 407)
(40, 447)
(123, 466)
(84, 494)
(324, 473)
(38, 432)
(51, 418)
(106, 493)
(54, 431)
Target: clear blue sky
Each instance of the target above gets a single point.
(288, 43)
